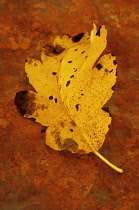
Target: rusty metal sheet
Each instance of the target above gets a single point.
(32, 175)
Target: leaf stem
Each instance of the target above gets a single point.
(108, 163)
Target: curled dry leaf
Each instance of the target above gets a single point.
(72, 86)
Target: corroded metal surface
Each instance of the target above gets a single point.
(33, 176)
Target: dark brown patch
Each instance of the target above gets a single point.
(75, 69)
(42, 106)
(58, 142)
(69, 61)
(24, 100)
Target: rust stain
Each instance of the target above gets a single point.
(31, 174)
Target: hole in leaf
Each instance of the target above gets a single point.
(98, 66)
(78, 37)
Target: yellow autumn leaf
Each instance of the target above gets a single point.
(72, 86)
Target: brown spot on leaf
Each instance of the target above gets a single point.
(77, 106)
(71, 76)
(50, 50)
(70, 145)
(54, 73)
(73, 123)
(24, 100)
(43, 107)
(67, 84)
(114, 62)
(81, 151)
(75, 69)
(62, 124)
(56, 100)
(58, 49)
(50, 97)
(58, 142)
(55, 134)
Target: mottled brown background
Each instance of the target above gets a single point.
(34, 176)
